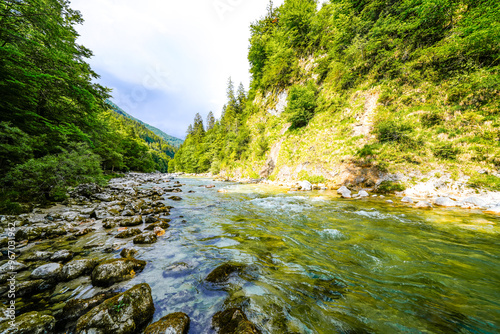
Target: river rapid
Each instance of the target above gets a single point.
(316, 263)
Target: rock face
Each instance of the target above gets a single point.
(146, 238)
(77, 268)
(117, 270)
(222, 273)
(233, 321)
(47, 271)
(30, 323)
(125, 313)
(445, 201)
(346, 193)
(175, 323)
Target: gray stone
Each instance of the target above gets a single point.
(116, 270)
(77, 268)
(305, 185)
(47, 271)
(407, 200)
(175, 323)
(146, 238)
(62, 255)
(423, 205)
(346, 193)
(475, 201)
(363, 193)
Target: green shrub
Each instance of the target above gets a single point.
(432, 118)
(301, 104)
(314, 179)
(48, 177)
(387, 187)
(394, 131)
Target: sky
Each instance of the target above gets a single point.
(167, 60)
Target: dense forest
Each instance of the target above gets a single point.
(56, 129)
(430, 67)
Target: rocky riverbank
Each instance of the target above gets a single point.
(435, 190)
(88, 245)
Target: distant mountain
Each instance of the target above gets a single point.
(175, 142)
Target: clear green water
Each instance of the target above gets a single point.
(320, 264)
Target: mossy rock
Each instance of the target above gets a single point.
(222, 273)
(117, 270)
(128, 233)
(233, 321)
(145, 238)
(125, 313)
(175, 323)
(30, 323)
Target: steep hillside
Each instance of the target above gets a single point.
(173, 141)
(365, 91)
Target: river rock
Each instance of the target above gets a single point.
(222, 273)
(175, 198)
(495, 210)
(129, 233)
(12, 266)
(116, 270)
(423, 205)
(86, 190)
(125, 313)
(47, 271)
(346, 193)
(77, 268)
(62, 256)
(305, 185)
(233, 321)
(128, 252)
(39, 256)
(31, 287)
(175, 323)
(407, 200)
(75, 308)
(146, 238)
(445, 201)
(132, 221)
(475, 201)
(29, 233)
(163, 224)
(30, 323)
(84, 231)
(363, 193)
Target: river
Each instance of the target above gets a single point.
(315, 263)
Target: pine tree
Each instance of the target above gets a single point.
(210, 121)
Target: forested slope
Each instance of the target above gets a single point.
(359, 88)
(56, 129)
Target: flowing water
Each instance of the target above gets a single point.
(315, 263)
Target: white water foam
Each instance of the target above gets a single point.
(290, 204)
(333, 233)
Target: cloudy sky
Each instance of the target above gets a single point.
(166, 60)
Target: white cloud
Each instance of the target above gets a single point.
(191, 46)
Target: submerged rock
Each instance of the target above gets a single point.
(146, 238)
(162, 224)
(233, 321)
(175, 323)
(125, 313)
(128, 252)
(222, 273)
(175, 198)
(116, 270)
(30, 323)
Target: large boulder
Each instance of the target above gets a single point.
(30, 323)
(49, 271)
(125, 313)
(175, 323)
(344, 192)
(116, 270)
(305, 185)
(146, 238)
(233, 321)
(77, 268)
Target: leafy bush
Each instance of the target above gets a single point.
(48, 177)
(314, 179)
(387, 187)
(432, 118)
(394, 131)
(301, 104)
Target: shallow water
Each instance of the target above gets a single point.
(320, 264)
